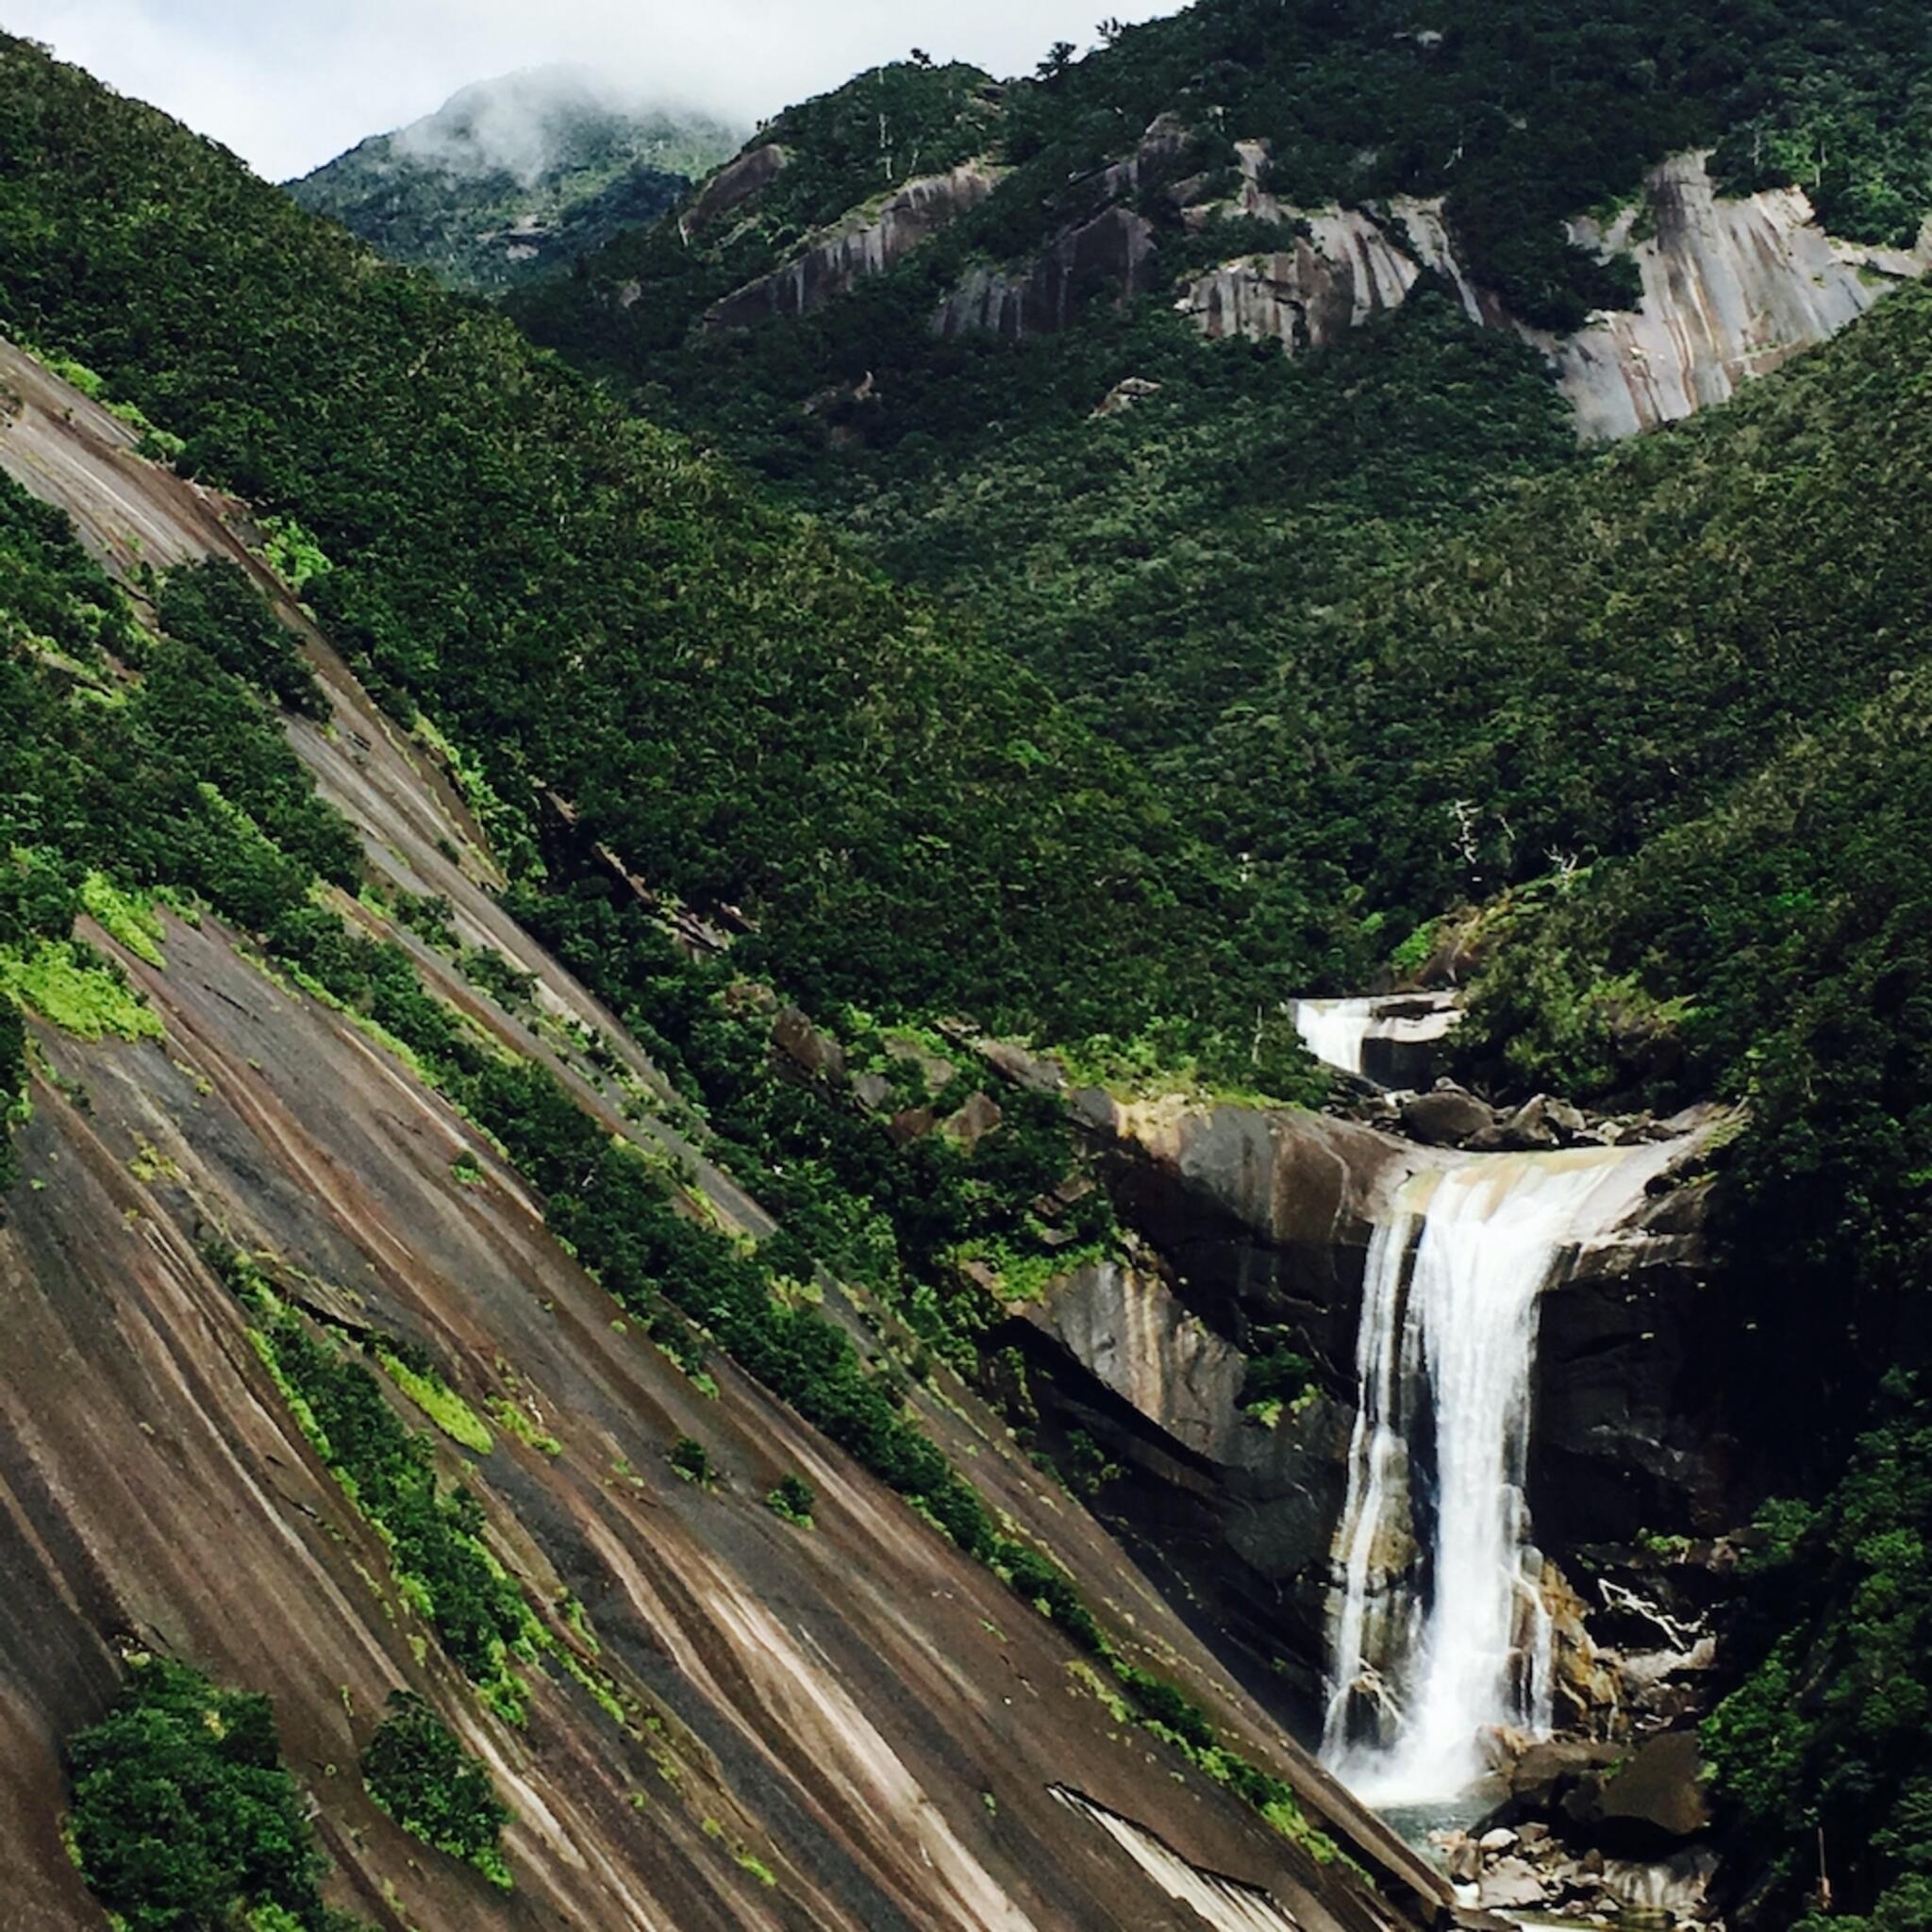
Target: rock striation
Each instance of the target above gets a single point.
(1112, 252)
(1732, 287)
(868, 244)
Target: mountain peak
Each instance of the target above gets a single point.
(514, 175)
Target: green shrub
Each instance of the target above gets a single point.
(215, 607)
(435, 1533)
(691, 1460)
(793, 1499)
(183, 1815)
(423, 1779)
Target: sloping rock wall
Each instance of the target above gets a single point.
(867, 247)
(1112, 251)
(850, 1725)
(1732, 288)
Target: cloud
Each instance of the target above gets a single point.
(291, 83)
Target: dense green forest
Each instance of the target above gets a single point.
(1155, 566)
(598, 611)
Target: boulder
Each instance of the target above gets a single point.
(1656, 1799)
(1546, 1771)
(809, 1050)
(935, 1071)
(1529, 1129)
(872, 1090)
(1447, 1117)
(975, 1120)
(1510, 1884)
(1498, 1838)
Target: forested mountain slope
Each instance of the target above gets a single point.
(596, 611)
(384, 1338)
(980, 348)
(1340, 664)
(514, 177)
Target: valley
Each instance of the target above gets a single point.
(1007, 1013)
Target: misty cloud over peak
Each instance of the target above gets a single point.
(526, 124)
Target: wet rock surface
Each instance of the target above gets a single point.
(1601, 1833)
(1257, 1224)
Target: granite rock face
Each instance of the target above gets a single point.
(1133, 1335)
(855, 1727)
(1732, 287)
(1112, 252)
(868, 245)
(735, 183)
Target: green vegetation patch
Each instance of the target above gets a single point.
(69, 985)
(124, 917)
(183, 1814)
(793, 1499)
(419, 1775)
(434, 1532)
(437, 1399)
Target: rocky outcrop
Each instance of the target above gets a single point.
(1634, 1385)
(867, 245)
(1344, 268)
(1343, 272)
(735, 184)
(1533, 1873)
(1731, 289)
(1596, 1830)
(1126, 1329)
(1113, 253)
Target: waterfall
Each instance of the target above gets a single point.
(1384, 1038)
(1441, 1631)
(1334, 1031)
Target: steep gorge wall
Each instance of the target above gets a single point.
(1260, 1221)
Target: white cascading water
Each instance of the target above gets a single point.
(1435, 1646)
(1337, 1032)
(1334, 1031)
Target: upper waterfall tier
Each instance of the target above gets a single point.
(1391, 1040)
(1440, 1628)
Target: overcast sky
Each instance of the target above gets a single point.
(289, 84)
